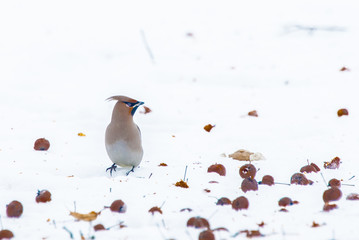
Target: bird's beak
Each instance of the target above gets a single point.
(138, 104)
(134, 108)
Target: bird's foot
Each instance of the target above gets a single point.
(132, 170)
(112, 168)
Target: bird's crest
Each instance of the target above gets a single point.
(121, 98)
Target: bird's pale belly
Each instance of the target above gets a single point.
(121, 154)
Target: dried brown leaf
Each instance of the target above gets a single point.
(155, 209)
(208, 127)
(85, 217)
(182, 184)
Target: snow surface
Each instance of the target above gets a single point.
(193, 63)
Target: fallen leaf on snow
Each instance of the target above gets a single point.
(261, 224)
(328, 207)
(220, 229)
(182, 184)
(155, 209)
(252, 233)
(122, 225)
(353, 196)
(342, 112)
(256, 157)
(212, 182)
(283, 210)
(245, 155)
(314, 224)
(241, 155)
(253, 113)
(85, 217)
(186, 209)
(334, 164)
(208, 127)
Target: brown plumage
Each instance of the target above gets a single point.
(123, 137)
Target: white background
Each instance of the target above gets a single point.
(213, 62)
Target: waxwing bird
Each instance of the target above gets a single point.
(123, 136)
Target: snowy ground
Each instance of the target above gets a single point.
(212, 63)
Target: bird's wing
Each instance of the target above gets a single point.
(139, 130)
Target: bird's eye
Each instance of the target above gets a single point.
(129, 104)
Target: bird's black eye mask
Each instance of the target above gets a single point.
(130, 104)
(133, 105)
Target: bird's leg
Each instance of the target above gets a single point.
(112, 168)
(132, 170)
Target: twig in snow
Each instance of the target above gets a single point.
(163, 204)
(333, 235)
(71, 235)
(351, 178)
(115, 225)
(54, 222)
(312, 29)
(185, 173)
(236, 234)
(163, 223)
(214, 197)
(159, 229)
(74, 206)
(110, 189)
(282, 183)
(214, 213)
(283, 232)
(325, 182)
(350, 185)
(90, 228)
(150, 176)
(147, 46)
